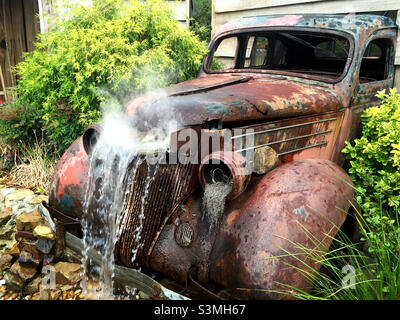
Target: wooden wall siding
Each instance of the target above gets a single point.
(239, 5)
(18, 30)
(32, 27)
(397, 62)
(222, 14)
(252, 7)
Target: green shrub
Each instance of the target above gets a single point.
(375, 157)
(115, 47)
(375, 165)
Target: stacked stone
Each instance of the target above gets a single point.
(27, 245)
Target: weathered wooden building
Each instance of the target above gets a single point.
(22, 20)
(18, 29)
(224, 10)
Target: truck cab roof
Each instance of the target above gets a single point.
(353, 24)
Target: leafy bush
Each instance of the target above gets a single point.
(115, 47)
(375, 157)
(375, 164)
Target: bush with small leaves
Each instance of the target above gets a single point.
(113, 48)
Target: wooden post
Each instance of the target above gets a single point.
(3, 86)
(397, 60)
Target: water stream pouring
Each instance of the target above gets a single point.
(101, 218)
(114, 159)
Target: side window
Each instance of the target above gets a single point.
(375, 62)
(256, 52)
(224, 56)
(332, 49)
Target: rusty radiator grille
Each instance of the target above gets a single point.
(153, 191)
(289, 136)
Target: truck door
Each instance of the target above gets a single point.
(375, 73)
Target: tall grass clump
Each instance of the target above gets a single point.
(33, 167)
(349, 271)
(118, 47)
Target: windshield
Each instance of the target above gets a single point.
(320, 54)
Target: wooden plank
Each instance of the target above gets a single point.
(30, 23)
(397, 78)
(3, 61)
(335, 6)
(239, 5)
(36, 20)
(126, 276)
(311, 6)
(17, 32)
(7, 57)
(397, 60)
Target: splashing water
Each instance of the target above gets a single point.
(117, 148)
(100, 221)
(214, 201)
(138, 231)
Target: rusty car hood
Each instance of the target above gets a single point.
(230, 98)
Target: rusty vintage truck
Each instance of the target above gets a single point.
(297, 84)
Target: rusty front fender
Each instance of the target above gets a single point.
(300, 204)
(68, 185)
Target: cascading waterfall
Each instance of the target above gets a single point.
(106, 197)
(101, 218)
(114, 160)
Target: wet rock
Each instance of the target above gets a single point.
(66, 287)
(44, 245)
(2, 198)
(15, 296)
(43, 232)
(39, 199)
(25, 273)
(13, 281)
(143, 296)
(55, 294)
(71, 256)
(16, 196)
(5, 262)
(33, 286)
(48, 259)
(24, 236)
(7, 230)
(6, 245)
(28, 221)
(36, 296)
(14, 250)
(5, 215)
(30, 256)
(67, 273)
